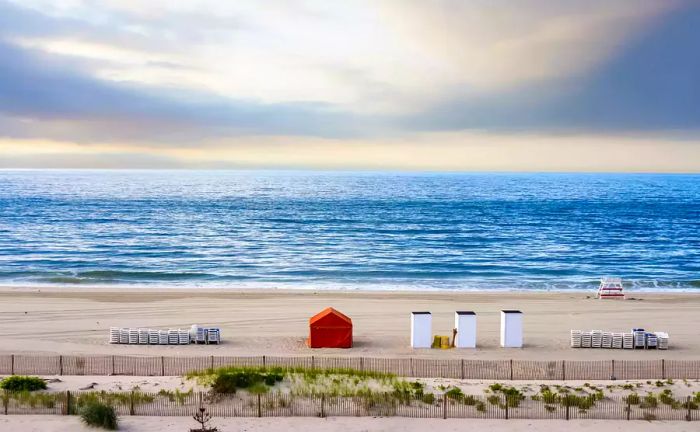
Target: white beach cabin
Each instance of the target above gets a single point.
(465, 323)
(511, 329)
(421, 329)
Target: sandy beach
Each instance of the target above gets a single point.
(63, 320)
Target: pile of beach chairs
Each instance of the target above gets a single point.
(636, 339)
(147, 336)
(205, 335)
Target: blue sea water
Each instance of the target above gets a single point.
(321, 230)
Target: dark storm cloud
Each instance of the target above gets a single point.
(653, 84)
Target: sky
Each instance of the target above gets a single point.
(478, 85)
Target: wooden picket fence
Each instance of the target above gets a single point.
(276, 404)
(407, 367)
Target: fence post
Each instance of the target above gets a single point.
(663, 369)
(629, 408)
(511, 369)
(362, 363)
(112, 365)
(12, 364)
(5, 400)
(506, 397)
(60, 365)
(462, 366)
(567, 408)
(563, 373)
(264, 362)
(411, 362)
(444, 406)
(313, 362)
(687, 403)
(162, 365)
(212, 362)
(613, 369)
(131, 403)
(323, 403)
(259, 406)
(67, 402)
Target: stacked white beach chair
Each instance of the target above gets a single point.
(628, 340)
(639, 338)
(183, 336)
(617, 340)
(153, 337)
(651, 340)
(576, 338)
(607, 341)
(636, 339)
(147, 336)
(143, 336)
(661, 340)
(213, 335)
(204, 335)
(114, 335)
(586, 339)
(173, 337)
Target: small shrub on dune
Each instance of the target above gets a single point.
(99, 415)
(225, 384)
(229, 382)
(496, 387)
(649, 401)
(428, 398)
(22, 383)
(633, 399)
(454, 393)
(666, 398)
(470, 400)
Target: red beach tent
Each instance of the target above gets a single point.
(330, 329)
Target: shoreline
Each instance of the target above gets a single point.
(193, 289)
(322, 286)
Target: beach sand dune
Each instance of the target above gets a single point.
(275, 322)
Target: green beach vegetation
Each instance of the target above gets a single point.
(99, 415)
(22, 383)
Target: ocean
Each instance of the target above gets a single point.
(348, 230)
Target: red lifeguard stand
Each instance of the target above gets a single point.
(611, 288)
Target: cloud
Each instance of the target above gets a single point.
(650, 85)
(202, 79)
(416, 53)
(46, 93)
